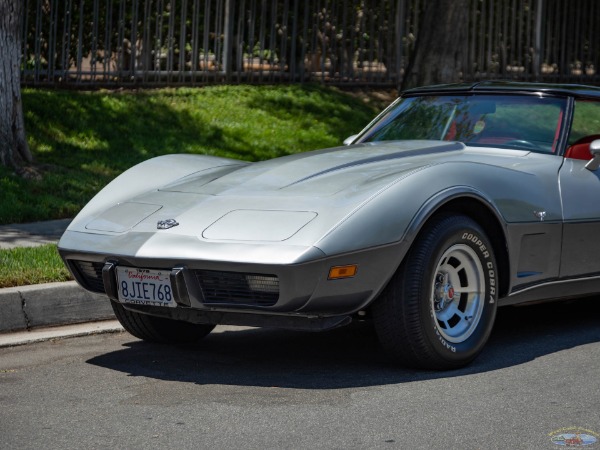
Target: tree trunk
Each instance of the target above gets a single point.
(14, 151)
(441, 44)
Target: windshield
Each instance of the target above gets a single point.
(516, 121)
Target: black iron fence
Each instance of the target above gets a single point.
(344, 42)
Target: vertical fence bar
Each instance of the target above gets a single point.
(351, 46)
(361, 25)
(593, 43)
(516, 40)
(489, 40)
(53, 34)
(343, 56)
(37, 41)
(146, 45)
(326, 42)
(261, 38)
(79, 42)
(250, 48)
(481, 41)
(227, 39)
(563, 33)
(25, 43)
(528, 63)
(557, 38)
(107, 56)
(195, 47)
(283, 46)
(379, 47)
(498, 37)
(217, 34)
(94, 47)
(171, 41)
(472, 38)
(388, 53)
(239, 41)
(519, 60)
(182, 68)
(314, 52)
(399, 26)
(205, 41)
(273, 53)
(67, 40)
(577, 56)
(293, 68)
(502, 51)
(571, 55)
(132, 24)
(303, 48)
(537, 48)
(121, 42)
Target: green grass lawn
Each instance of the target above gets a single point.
(82, 140)
(31, 265)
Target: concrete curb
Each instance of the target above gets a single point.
(16, 338)
(50, 304)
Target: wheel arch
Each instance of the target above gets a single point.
(473, 204)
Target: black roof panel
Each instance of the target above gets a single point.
(575, 90)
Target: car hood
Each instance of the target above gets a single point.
(318, 173)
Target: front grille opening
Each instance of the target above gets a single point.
(91, 275)
(238, 288)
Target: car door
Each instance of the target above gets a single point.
(580, 193)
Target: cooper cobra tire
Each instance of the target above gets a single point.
(158, 329)
(438, 310)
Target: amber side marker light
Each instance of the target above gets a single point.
(339, 272)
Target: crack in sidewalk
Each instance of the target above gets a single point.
(24, 310)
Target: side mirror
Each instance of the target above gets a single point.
(350, 139)
(594, 163)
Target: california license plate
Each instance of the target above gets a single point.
(145, 287)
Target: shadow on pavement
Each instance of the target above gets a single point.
(349, 357)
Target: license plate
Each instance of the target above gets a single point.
(145, 287)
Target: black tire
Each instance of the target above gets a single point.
(158, 329)
(422, 318)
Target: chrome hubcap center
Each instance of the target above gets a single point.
(444, 292)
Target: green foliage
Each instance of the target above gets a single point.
(586, 120)
(31, 265)
(82, 140)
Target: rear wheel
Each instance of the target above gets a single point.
(438, 310)
(158, 329)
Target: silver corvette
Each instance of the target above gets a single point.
(455, 200)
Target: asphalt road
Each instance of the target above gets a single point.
(270, 389)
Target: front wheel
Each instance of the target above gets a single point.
(438, 310)
(158, 329)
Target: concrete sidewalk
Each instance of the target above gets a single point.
(32, 234)
(45, 305)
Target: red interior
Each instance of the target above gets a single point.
(580, 149)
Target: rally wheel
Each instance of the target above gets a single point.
(438, 310)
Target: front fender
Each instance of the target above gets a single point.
(396, 212)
